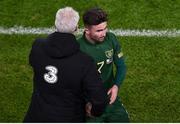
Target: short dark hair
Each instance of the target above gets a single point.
(94, 16)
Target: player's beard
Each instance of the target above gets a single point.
(99, 40)
(95, 39)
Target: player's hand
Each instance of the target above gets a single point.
(88, 109)
(113, 93)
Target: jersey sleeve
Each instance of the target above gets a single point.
(118, 61)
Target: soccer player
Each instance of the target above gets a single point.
(64, 77)
(104, 47)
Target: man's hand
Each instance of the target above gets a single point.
(88, 109)
(113, 92)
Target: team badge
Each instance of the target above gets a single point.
(109, 53)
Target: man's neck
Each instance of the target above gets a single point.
(89, 39)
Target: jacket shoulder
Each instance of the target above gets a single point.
(39, 41)
(85, 57)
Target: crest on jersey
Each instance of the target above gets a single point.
(109, 53)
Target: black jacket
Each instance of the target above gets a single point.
(64, 78)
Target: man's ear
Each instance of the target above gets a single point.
(86, 30)
(76, 28)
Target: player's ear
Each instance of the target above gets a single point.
(76, 28)
(86, 30)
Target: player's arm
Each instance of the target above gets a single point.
(119, 63)
(94, 90)
(120, 70)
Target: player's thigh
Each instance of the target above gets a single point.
(117, 113)
(95, 119)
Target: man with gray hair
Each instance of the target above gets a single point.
(69, 23)
(64, 77)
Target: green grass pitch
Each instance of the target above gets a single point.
(150, 91)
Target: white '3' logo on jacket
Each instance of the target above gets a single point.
(51, 76)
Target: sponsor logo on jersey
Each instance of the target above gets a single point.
(109, 55)
(51, 76)
(108, 61)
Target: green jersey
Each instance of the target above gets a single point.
(105, 54)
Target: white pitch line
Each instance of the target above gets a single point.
(118, 32)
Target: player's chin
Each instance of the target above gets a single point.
(101, 39)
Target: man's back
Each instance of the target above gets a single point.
(63, 78)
